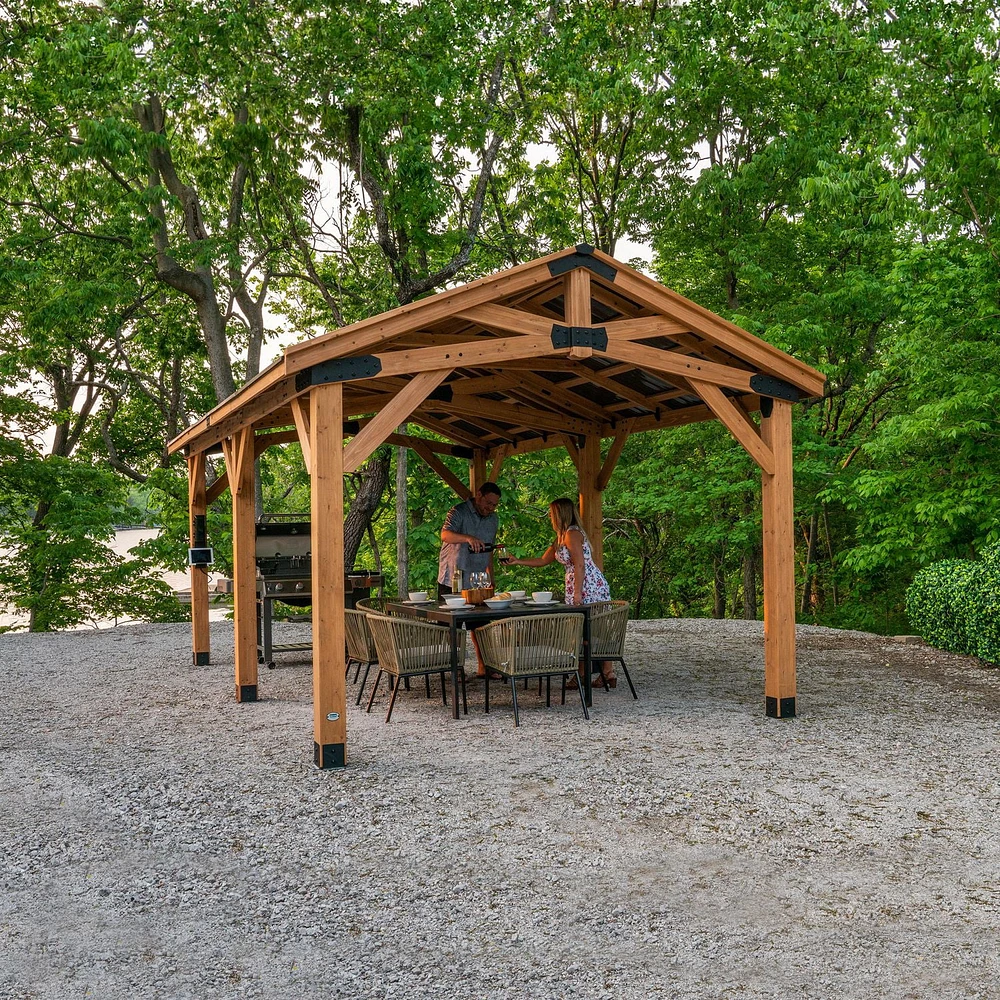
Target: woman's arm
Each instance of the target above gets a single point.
(574, 542)
(543, 560)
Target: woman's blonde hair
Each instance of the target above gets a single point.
(565, 514)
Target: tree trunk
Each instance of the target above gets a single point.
(750, 585)
(402, 524)
(807, 585)
(374, 477)
(719, 588)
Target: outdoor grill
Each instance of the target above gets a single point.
(284, 573)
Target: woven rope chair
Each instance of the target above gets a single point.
(534, 646)
(376, 604)
(408, 648)
(608, 625)
(360, 646)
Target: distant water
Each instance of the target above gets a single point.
(125, 539)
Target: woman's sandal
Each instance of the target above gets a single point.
(573, 684)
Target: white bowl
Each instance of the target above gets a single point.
(418, 595)
(455, 602)
(517, 595)
(499, 603)
(541, 596)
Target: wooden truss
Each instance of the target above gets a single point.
(561, 352)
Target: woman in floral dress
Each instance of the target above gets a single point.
(585, 583)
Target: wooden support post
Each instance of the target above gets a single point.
(239, 452)
(591, 505)
(197, 508)
(779, 564)
(326, 421)
(477, 470)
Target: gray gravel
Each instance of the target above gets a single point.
(161, 840)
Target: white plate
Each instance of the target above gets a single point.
(455, 607)
(430, 600)
(540, 604)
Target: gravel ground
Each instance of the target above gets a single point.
(162, 841)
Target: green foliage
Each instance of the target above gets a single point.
(59, 517)
(955, 605)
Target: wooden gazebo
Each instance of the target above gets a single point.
(560, 352)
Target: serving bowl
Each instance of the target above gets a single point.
(517, 595)
(498, 603)
(418, 596)
(455, 602)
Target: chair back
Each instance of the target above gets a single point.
(360, 644)
(608, 625)
(406, 646)
(532, 645)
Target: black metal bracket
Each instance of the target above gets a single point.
(780, 708)
(338, 370)
(246, 692)
(579, 336)
(202, 659)
(583, 258)
(768, 385)
(329, 755)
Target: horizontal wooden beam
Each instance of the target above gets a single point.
(481, 352)
(669, 363)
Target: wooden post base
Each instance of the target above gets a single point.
(780, 708)
(246, 692)
(329, 755)
(202, 659)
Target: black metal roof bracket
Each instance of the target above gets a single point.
(579, 336)
(583, 258)
(768, 385)
(338, 370)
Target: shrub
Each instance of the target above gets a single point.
(955, 605)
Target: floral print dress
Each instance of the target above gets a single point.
(595, 587)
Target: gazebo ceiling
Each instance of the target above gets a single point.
(521, 376)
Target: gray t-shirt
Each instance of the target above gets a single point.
(464, 519)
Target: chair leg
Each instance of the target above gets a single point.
(548, 689)
(371, 697)
(628, 677)
(392, 700)
(444, 688)
(357, 671)
(465, 702)
(563, 702)
(583, 701)
(513, 692)
(347, 669)
(364, 681)
(427, 684)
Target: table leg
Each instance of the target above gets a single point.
(588, 688)
(454, 670)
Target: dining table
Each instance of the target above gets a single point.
(472, 617)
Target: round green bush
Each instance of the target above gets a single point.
(955, 605)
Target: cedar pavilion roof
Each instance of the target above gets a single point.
(520, 376)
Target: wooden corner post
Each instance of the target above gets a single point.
(239, 453)
(591, 498)
(326, 422)
(197, 509)
(779, 561)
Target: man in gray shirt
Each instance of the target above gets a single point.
(467, 538)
